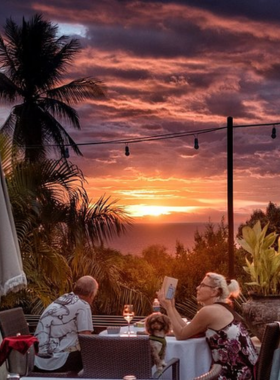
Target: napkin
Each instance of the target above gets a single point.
(20, 343)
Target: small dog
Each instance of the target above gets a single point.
(157, 326)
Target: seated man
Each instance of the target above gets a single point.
(59, 326)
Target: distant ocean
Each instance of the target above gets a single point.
(142, 235)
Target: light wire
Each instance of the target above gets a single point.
(157, 137)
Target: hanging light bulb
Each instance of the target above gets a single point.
(66, 153)
(196, 146)
(273, 133)
(126, 151)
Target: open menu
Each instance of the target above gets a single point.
(169, 287)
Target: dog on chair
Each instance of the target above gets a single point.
(157, 325)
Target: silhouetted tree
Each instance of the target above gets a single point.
(210, 254)
(33, 60)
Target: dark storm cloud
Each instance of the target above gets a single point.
(258, 10)
(171, 39)
(14, 9)
(146, 43)
(227, 104)
(127, 74)
(271, 72)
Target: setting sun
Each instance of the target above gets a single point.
(155, 210)
(150, 210)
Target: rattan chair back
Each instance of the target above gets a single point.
(107, 357)
(270, 342)
(12, 322)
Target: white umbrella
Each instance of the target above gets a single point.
(12, 277)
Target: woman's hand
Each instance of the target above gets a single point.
(163, 301)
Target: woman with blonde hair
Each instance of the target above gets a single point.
(225, 332)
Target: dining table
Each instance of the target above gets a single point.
(194, 354)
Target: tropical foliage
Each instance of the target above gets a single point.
(33, 59)
(263, 263)
(209, 254)
(61, 233)
(270, 216)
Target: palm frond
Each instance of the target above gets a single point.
(188, 307)
(8, 90)
(65, 55)
(113, 292)
(106, 220)
(6, 51)
(5, 153)
(62, 110)
(34, 181)
(54, 132)
(78, 90)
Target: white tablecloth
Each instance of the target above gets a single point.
(194, 354)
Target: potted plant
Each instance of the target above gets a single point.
(263, 267)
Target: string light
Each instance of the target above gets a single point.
(273, 133)
(196, 146)
(66, 153)
(126, 151)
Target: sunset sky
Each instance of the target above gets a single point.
(171, 67)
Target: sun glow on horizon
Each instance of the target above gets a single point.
(151, 210)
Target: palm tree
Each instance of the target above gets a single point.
(33, 60)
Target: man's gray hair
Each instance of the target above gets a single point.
(86, 286)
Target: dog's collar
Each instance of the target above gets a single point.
(160, 339)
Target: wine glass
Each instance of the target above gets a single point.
(128, 315)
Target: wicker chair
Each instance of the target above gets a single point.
(12, 322)
(275, 368)
(213, 374)
(114, 357)
(270, 342)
